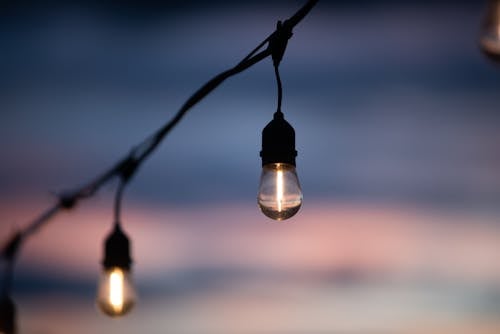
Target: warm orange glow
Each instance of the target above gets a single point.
(280, 196)
(116, 293)
(279, 189)
(116, 287)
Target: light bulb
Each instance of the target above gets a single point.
(116, 295)
(490, 32)
(279, 196)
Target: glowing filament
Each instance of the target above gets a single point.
(116, 287)
(279, 195)
(279, 189)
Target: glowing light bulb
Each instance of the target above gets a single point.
(489, 40)
(280, 196)
(116, 295)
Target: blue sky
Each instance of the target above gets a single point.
(376, 81)
(396, 117)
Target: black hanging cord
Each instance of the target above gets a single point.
(280, 89)
(277, 44)
(127, 170)
(118, 202)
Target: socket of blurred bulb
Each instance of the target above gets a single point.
(280, 196)
(7, 316)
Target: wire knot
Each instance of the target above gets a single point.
(67, 201)
(279, 40)
(128, 168)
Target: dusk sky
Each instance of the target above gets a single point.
(397, 119)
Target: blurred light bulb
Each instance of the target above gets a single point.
(116, 295)
(490, 31)
(280, 196)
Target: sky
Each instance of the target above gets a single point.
(396, 113)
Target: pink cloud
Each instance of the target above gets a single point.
(389, 241)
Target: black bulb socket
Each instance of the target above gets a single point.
(278, 141)
(7, 316)
(117, 250)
